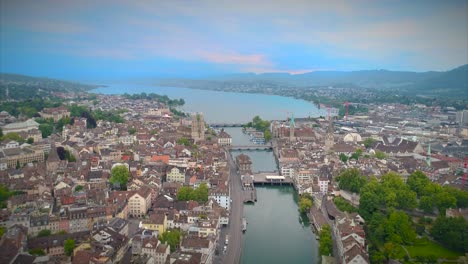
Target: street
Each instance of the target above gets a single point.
(234, 248)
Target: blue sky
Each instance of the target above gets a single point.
(120, 39)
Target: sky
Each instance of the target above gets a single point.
(179, 38)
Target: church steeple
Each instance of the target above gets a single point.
(329, 138)
(428, 158)
(292, 125)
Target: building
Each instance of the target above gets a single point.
(176, 174)
(224, 139)
(139, 202)
(26, 126)
(198, 127)
(56, 113)
(291, 129)
(244, 164)
(20, 156)
(462, 117)
(156, 222)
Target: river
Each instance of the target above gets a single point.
(276, 232)
(224, 107)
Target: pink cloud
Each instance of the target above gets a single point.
(235, 58)
(259, 70)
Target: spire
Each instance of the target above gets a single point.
(292, 123)
(428, 158)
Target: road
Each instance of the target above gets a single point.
(234, 248)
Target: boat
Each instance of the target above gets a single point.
(244, 224)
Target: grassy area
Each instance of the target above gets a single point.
(426, 248)
(344, 205)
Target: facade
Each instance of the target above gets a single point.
(139, 202)
(27, 125)
(243, 163)
(221, 197)
(56, 113)
(224, 139)
(156, 222)
(176, 174)
(14, 156)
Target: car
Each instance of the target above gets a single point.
(225, 249)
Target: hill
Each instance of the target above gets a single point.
(22, 87)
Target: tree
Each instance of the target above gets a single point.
(326, 242)
(13, 136)
(184, 193)
(30, 140)
(78, 188)
(172, 238)
(380, 155)
(68, 246)
(417, 181)
(44, 233)
(445, 200)
(202, 193)
(368, 142)
(61, 152)
(2, 231)
(305, 203)
(351, 180)
(426, 203)
(451, 232)
(184, 141)
(132, 130)
(37, 252)
(343, 157)
(119, 175)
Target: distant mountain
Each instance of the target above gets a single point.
(432, 82)
(25, 87)
(453, 83)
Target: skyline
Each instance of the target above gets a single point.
(123, 39)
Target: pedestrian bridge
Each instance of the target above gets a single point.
(226, 125)
(252, 147)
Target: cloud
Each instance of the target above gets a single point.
(235, 58)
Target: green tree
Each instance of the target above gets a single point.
(368, 142)
(78, 188)
(119, 175)
(426, 203)
(132, 130)
(2, 231)
(326, 242)
(44, 233)
(37, 252)
(184, 141)
(343, 157)
(417, 181)
(202, 193)
(351, 180)
(445, 200)
(13, 136)
(452, 232)
(69, 246)
(30, 140)
(184, 193)
(380, 155)
(172, 238)
(305, 203)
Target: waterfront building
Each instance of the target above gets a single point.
(244, 163)
(224, 139)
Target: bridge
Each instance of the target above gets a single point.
(226, 125)
(252, 147)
